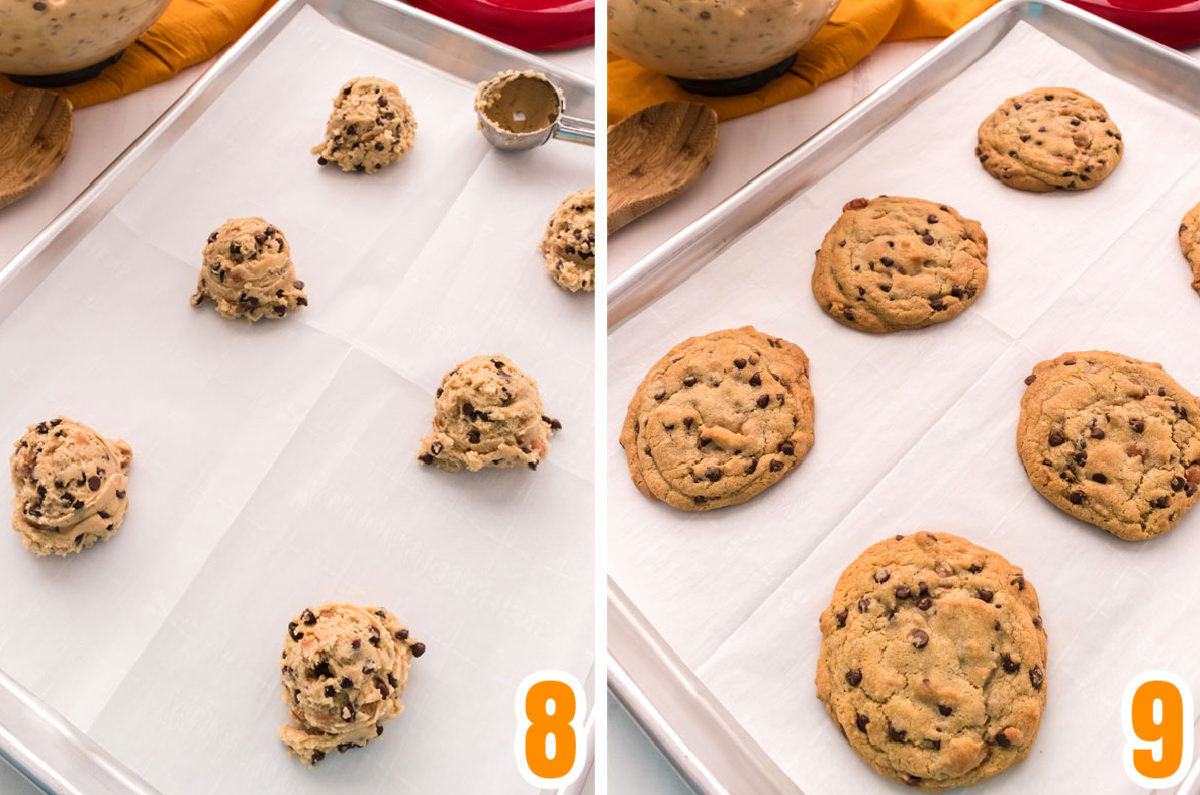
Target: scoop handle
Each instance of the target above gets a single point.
(580, 131)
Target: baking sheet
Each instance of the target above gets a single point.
(928, 419)
(274, 466)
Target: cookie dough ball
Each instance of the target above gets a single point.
(248, 272)
(891, 264)
(1111, 440)
(70, 485)
(343, 670)
(1189, 243)
(1049, 138)
(933, 661)
(487, 414)
(370, 127)
(570, 242)
(719, 419)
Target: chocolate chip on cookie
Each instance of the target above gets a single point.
(934, 696)
(705, 432)
(1113, 441)
(894, 263)
(1049, 138)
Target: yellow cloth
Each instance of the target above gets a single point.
(856, 28)
(189, 32)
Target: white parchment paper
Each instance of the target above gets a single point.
(917, 430)
(274, 466)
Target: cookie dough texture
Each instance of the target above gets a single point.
(70, 485)
(569, 244)
(370, 127)
(343, 670)
(933, 661)
(1047, 138)
(719, 419)
(1189, 243)
(1111, 440)
(893, 263)
(248, 272)
(487, 414)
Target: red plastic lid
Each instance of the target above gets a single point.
(1175, 23)
(527, 24)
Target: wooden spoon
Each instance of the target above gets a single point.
(36, 128)
(656, 154)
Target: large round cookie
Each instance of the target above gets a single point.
(1111, 440)
(343, 669)
(894, 263)
(1189, 243)
(719, 419)
(1047, 138)
(933, 661)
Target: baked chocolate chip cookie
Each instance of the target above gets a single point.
(1049, 138)
(892, 263)
(1111, 440)
(1189, 243)
(719, 419)
(933, 661)
(343, 669)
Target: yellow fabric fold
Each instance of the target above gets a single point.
(189, 32)
(856, 28)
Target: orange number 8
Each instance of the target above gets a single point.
(1158, 729)
(548, 713)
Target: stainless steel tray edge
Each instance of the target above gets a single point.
(37, 742)
(677, 715)
(1151, 66)
(645, 675)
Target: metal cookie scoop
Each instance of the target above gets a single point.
(522, 110)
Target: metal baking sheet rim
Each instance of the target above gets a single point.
(38, 743)
(710, 750)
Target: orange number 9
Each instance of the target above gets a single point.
(1158, 729)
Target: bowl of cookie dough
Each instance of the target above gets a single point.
(715, 46)
(60, 42)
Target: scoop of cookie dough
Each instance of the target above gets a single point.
(70, 485)
(719, 419)
(1047, 138)
(487, 414)
(343, 670)
(1111, 440)
(570, 242)
(1189, 243)
(370, 127)
(248, 272)
(893, 263)
(933, 661)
